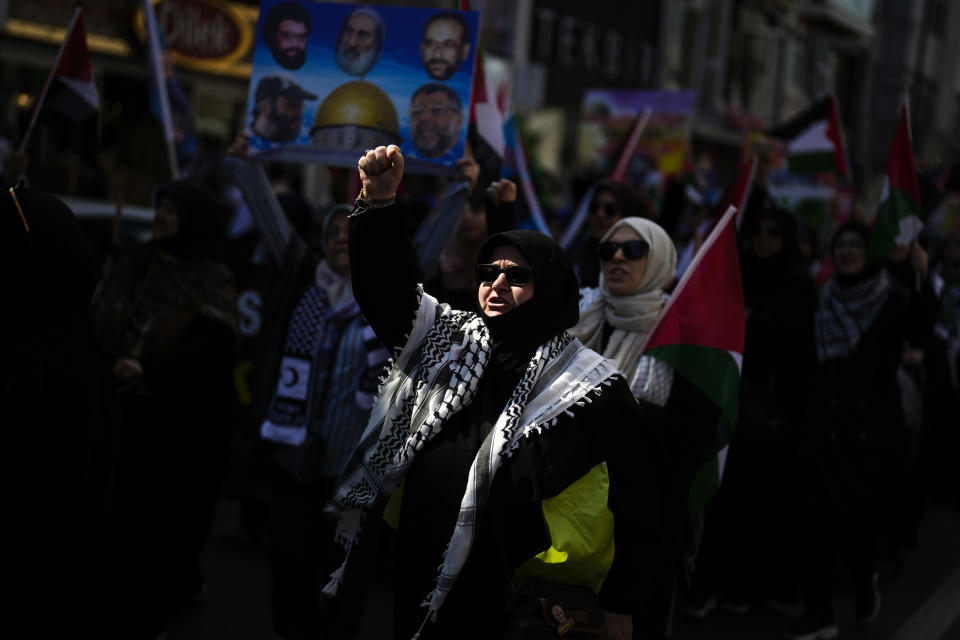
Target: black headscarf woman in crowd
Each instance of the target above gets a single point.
(166, 313)
(851, 455)
(611, 202)
(484, 415)
(60, 426)
(747, 538)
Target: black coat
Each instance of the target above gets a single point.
(513, 527)
(857, 400)
(778, 360)
(61, 429)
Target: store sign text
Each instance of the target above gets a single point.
(570, 42)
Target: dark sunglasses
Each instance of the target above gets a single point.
(770, 232)
(517, 276)
(632, 249)
(609, 209)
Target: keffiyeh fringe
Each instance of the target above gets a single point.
(435, 375)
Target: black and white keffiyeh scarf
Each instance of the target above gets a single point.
(433, 376)
(845, 313)
(326, 306)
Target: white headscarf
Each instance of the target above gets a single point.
(631, 316)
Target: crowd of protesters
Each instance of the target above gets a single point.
(142, 390)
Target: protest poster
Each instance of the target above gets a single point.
(331, 80)
(609, 114)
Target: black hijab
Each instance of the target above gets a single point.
(202, 220)
(762, 276)
(49, 270)
(628, 201)
(554, 306)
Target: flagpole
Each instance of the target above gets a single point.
(913, 243)
(746, 190)
(619, 173)
(835, 115)
(529, 193)
(121, 187)
(46, 85)
(620, 170)
(160, 77)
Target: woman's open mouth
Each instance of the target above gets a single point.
(496, 303)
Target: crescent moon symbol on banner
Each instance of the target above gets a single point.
(294, 377)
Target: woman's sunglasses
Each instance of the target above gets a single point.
(632, 249)
(770, 232)
(609, 209)
(517, 276)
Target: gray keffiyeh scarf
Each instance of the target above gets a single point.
(845, 313)
(435, 375)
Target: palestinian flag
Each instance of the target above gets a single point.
(814, 140)
(897, 222)
(700, 334)
(69, 103)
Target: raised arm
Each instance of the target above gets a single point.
(500, 215)
(382, 266)
(260, 199)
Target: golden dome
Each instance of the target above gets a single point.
(358, 103)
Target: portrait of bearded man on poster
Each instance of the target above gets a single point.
(436, 117)
(278, 108)
(445, 45)
(285, 31)
(360, 41)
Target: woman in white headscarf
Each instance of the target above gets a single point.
(638, 261)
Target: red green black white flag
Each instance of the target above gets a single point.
(700, 334)
(814, 140)
(897, 222)
(69, 103)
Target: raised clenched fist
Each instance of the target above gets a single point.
(468, 171)
(381, 170)
(502, 191)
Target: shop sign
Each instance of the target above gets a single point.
(206, 35)
(606, 51)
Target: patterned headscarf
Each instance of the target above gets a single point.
(849, 304)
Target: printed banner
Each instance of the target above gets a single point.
(330, 81)
(610, 114)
